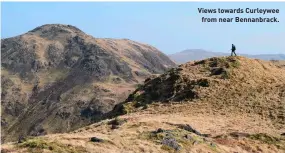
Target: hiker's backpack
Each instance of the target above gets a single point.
(234, 48)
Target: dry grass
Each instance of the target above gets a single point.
(250, 102)
(128, 136)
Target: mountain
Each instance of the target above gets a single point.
(193, 54)
(220, 104)
(199, 54)
(56, 78)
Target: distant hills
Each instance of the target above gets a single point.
(199, 54)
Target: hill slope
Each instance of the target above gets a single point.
(227, 104)
(230, 84)
(56, 78)
(199, 54)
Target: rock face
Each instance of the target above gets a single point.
(56, 78)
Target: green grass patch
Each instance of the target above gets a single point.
(37, 145)
(129, 107)
(138, 86)
(182, 138)
(265, 138)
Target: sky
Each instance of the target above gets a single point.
(169, 26)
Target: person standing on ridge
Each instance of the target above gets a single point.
(233, 50)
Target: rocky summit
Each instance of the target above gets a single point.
(56, 78)
(219, 104)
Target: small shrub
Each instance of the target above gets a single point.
(226, 75)
(236, 64)
(117, 122)
(137, 97)
(128, 107)
(203, 82)
(138, 86)
(200, 62)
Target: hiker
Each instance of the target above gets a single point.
(233, 50)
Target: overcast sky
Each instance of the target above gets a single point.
(168, 26)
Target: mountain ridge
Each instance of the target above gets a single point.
(199, 54)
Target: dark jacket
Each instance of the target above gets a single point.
(233, 47)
